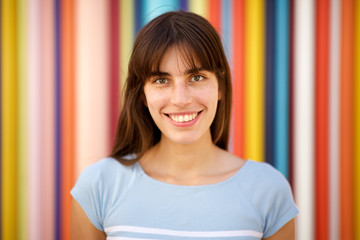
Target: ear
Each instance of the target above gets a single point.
(219, 95)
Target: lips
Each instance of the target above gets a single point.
(183, 118)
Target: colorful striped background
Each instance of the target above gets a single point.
(296, 78)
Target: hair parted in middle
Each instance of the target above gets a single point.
(200, 47)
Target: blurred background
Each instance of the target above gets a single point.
(296, 86)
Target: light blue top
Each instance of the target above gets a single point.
(128, 204)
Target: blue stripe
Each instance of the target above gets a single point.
(154, 8)
(269, 82)
(226, 21)
(58, 117)
(138, 11)
(282, 87)
(184, 5)
(226, 26)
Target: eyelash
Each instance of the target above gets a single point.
(200, 76)
(157, 80)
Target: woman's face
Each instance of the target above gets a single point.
(182, 101)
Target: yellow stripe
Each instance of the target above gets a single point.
(199, 7)
(254, 79)
(127, 26)
(9, 120)
(22, 120)
(357, 120)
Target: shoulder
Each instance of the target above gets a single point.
(99, 184)
(260, 181)
(261, 175)
(269, 193)
(107, 168)
(103, 176)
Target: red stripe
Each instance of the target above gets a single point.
(321, 120)
(347, 120)
(67, 113)
(214, 14)
(114, 69)
(238, 77)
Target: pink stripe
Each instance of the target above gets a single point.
(92, 90)
(35, 170)
(48, 105)
(114, 68)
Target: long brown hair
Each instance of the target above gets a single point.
(199, 43)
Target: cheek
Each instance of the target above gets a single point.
(208, 96)
(154, 100)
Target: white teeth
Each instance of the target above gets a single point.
(183, 118)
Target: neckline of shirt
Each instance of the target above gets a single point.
(231, 178)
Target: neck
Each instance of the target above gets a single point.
(183, 158)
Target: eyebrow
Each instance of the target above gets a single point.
(187, 72)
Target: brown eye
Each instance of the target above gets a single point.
(161, 80)
(196, 78)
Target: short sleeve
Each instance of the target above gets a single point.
(87, 192)
(279, 208)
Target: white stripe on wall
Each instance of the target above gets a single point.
(209, 234)
(334, 118)
(304, 117)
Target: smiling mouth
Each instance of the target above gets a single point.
(182, 118)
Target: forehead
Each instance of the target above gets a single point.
(178, 58)
(176, 61)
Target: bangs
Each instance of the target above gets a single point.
(190, 58)
(196, 41)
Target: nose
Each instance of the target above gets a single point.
(181, 95)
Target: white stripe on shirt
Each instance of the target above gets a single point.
(128, 238)
(208, 234)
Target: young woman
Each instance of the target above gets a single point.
(170, 175)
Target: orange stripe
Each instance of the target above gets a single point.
(238, 77)
(321, 120)
(346, 121)
(357, 121)
(67, 113)
(214, 14)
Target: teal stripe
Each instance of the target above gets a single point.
(226, 21)
(282, 86)
(153, 8)
(226, 26)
